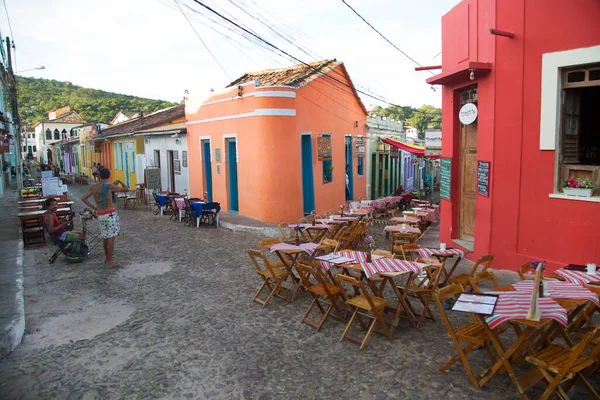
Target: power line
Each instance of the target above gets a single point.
(8, 18)
(380, 34)
(197, 34)
(268, 44)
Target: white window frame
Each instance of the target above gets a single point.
(553, 66)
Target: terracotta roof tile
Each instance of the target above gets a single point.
(155, 119)
(297, 75)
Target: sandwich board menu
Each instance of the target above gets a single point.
(476, 303)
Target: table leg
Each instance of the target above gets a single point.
(161, 210)
(180, 215)
(402, 304)
(448, 274)
(290, 268)
(522, 342)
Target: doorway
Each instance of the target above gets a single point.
(171, 170)
(308, 184)
(232, 176)
(207, 169)
(349, 169)
(468, 171)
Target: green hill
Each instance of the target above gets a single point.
(38, 96)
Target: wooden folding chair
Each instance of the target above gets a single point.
(464, 280)
(559, 365)
(399, 239)
(372, 305)
(272, 277)
(286, 231)
(407, 253)
(482, 277)
(425, 290)
(334, 245)
(263, 247)
(320, 291)
(526, 268)
(472, 333)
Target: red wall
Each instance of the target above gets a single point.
(519, 221)
(269, 151)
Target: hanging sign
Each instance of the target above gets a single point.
(468, 114)
(483, 178)
(394, 153)
(446, 175)
(324, 147)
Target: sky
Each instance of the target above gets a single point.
(147, 48)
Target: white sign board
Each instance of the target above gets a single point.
(468, 114)
(50, 187)
(46, 174)
(433, 143)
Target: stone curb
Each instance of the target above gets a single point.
(261, 230)
(11, 338)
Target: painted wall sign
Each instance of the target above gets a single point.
(324, 147)
(218, 155)
(184, 159)
(468, 113)
(446, 178)
(177, 166)
(483, 178)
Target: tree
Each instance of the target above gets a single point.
(38, 96)
(426, 117)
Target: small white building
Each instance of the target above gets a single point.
(165, 147)
(56, 128)
(412, 134)
(123, 116)
(29, 145)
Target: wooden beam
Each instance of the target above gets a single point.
(428, 68)
(502, 33)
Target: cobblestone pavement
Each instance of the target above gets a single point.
(177, 321)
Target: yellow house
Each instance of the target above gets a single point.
(89, 148)
(128, 160)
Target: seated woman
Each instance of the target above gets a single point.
(56, 228)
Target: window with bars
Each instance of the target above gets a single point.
(579, 148)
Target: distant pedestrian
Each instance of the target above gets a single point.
(95, 172)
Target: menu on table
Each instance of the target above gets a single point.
(476, 303)
(334, 259)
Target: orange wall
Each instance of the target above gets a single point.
(269, 155)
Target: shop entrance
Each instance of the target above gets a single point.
(468, 171)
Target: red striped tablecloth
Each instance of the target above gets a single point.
(389, 265)
(428, 252)
(578, 277)
(345, 217)
(307, 247)
(399, 228)
(559, 290)
(405, 219)
(516, 305)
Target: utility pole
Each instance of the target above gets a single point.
(12, 98)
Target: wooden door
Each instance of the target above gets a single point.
(468, 181)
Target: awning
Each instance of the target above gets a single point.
(411, 148)
(460, 74)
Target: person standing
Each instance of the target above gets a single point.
(95, 172)
(104, 194)
(347, 185)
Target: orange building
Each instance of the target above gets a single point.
(253, 146)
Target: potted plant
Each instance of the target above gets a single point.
(578, 187)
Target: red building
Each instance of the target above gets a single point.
(532, 69)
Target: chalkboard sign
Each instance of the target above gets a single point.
(153, 178)
(446, 178)
(483, 178)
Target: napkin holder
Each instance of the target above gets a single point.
(535, 314)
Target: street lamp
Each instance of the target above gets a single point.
(31, 69)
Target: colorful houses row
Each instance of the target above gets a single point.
(273, 145)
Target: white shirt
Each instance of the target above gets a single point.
(347, 180)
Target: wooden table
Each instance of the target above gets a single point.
(403, 308)
(530, 335)
(289, 259)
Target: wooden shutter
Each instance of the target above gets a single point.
(571, 126)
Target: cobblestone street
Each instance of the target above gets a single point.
(177, 321)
